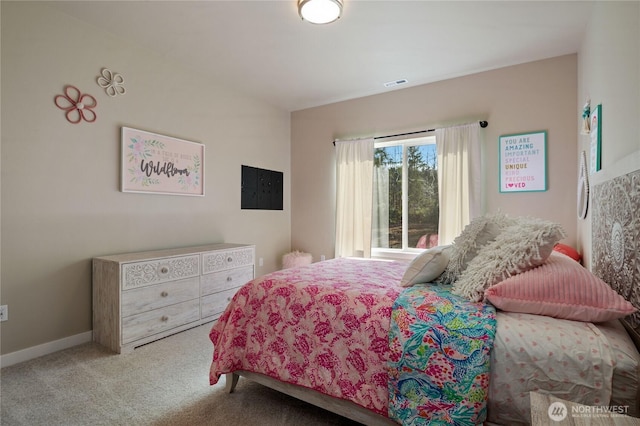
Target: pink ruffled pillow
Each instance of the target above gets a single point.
(560, 288)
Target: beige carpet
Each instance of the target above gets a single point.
(162, 383)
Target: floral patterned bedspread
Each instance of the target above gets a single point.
(440, 355)
(323, 326)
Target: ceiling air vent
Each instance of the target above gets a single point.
(395, 82)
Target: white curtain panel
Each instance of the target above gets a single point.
(459, 178)
(380, 228)
(354, 197)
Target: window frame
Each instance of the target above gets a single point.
(405, 252)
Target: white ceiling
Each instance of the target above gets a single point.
(264, 48)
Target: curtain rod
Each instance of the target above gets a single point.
(482, 123)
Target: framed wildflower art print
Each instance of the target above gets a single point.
(158, 164)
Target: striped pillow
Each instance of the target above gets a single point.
(559, 288)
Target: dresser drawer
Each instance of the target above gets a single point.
(157, 296)
(227, 259)
(219, 281)
(153, 322)
(141, 297)
(215, 304)
(140, 274)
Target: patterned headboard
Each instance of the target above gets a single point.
(616, 239)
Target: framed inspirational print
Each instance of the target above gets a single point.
(158, 164)
(523, 162)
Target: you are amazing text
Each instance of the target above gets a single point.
(167, 168)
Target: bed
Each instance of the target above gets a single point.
(386, 343)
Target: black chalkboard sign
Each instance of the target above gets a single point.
(261, 189)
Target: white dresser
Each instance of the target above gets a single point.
(141, 297)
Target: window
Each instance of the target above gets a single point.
(405, 195)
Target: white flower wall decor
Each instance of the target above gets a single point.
(111, 82)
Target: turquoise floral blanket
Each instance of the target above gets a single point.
(440, 352)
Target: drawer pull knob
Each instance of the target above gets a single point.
(229, 279)
(164, 270)
(164, 294)
(229, 259)
(164, 318)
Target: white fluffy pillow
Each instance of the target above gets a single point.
(522, 246)
(468, 244)
(426, 267)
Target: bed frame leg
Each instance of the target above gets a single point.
(232, 381)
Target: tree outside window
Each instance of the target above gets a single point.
(406, 208)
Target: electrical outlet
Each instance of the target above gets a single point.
(261, 262)
(322, 258)
(4, 313)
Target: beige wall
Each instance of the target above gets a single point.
(530, 97)
(60, 199)
(61, 203)
(609, 74)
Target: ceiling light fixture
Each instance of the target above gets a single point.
(320, 11)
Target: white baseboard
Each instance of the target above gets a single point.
(44, 349)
